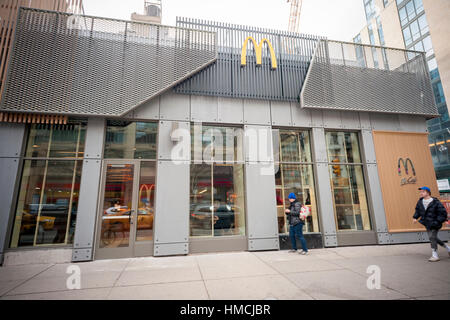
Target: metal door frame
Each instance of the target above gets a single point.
(125, 252)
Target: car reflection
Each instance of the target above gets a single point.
(51, 223)
(222, 216)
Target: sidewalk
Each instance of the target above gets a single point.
(334, 273)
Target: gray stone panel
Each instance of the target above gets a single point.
(230, 110)
(281, 113)
(204, 108)
(257, 112)
(175, 107)
(262, 220)
(172, 207)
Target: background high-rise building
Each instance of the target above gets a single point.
(8, 17)
(152, 12)
(419, 25)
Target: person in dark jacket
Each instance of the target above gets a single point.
(295, 224)
(432, 214)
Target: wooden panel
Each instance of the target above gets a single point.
(400, 200)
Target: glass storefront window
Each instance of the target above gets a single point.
(219, 144)
(47, 205)
(217, 202)
(343, 147)
(347, 181)
(295, 174)
(146, 208)
(49, 187)
(55, 141)
(130, 140)
(295, 146)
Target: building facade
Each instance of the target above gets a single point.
(419, 25)
(188, 139)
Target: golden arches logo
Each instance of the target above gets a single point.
(258, 52)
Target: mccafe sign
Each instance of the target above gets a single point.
(406, 171)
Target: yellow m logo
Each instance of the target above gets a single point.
(258, 52)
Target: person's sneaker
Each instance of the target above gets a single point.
(303, 252)
(292, 251)
(433, 259)
(434, 256)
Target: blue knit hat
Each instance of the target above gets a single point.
(292, 196)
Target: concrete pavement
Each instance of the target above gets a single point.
(332, 273)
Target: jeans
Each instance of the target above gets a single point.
(433, 235)
(297, 231)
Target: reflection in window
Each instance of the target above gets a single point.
(403, 16)
(419, 6)
(427, 46)
(56, 141)
(415, 32)
(47, 204)
(410, 10)
(117, 206)
(219, 144)
(295, 174)
(48, 195)
(130, 140)
(146, 207)
(407, 36)
(423, 24)
(347, 181)
(217, 202)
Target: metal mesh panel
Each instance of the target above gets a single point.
(348, 76)
(84, 65)
(227, 78)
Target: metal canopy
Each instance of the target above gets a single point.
(355, 77)
(83, 65)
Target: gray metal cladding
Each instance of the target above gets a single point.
(85, 65)
(340, 79)
(227, 78)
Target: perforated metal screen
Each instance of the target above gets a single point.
(84, 65)
(347, 76)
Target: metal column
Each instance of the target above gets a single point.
(172, 189)
(10, 151)
(324, 196)
(262, 224)
(374, 187)
(89, 191)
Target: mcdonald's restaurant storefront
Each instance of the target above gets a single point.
(154, 141)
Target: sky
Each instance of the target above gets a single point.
(334, 19)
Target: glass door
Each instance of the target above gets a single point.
(118, 208)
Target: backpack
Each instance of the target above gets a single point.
(305, 212)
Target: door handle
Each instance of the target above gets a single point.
(131, 217)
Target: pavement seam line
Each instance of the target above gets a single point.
(26, 280)
(203, 280)
(117, 279)
(284, 276)
(364, 275)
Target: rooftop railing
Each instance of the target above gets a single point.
(357, 77)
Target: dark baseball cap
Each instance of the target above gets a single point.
(425, 188)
